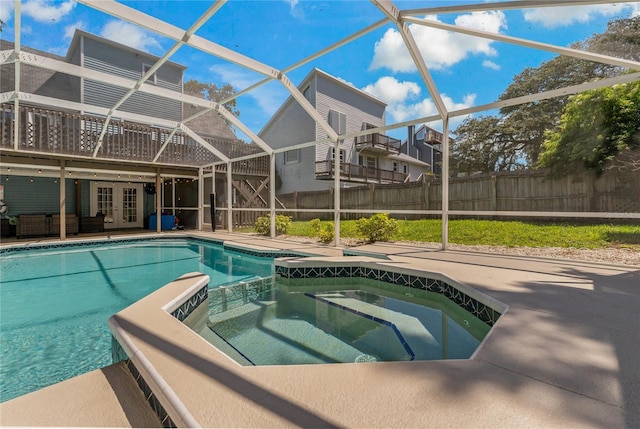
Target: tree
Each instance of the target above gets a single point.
(213, 92)
(596, 126)
(485, 144)
(521, 129)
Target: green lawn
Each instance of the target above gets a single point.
(503, 233)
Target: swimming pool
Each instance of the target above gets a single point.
(56, 299)
(302, 321)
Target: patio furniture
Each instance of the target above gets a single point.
(92, 223)
(32, 225)
(71, 224)
(6, 228)
(167, 222)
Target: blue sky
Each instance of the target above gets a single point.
(468, 71)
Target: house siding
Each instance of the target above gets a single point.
(127, 64)
(41, 196)
(293, 126)
(357, 108)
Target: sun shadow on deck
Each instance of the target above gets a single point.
(270, 401)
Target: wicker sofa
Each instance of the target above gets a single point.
(32, 225)
(37, 225)
(71, 221)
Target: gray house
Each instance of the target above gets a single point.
(72, 129)
(424, 144)
(372, 158)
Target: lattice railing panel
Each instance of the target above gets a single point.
(52, 131)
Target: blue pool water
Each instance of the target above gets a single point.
(298, 321)
(55, 303)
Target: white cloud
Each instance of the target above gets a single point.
(47, 11)
(69, 30)
(406, 111)
(440, 49)
(130, 35)
(403, 102)
(491, 65)
(294, 10)
(6, 10)
(268, 97)
(551, 17)
(389, 90)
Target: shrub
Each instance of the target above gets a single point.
(378, 227)
(263, 224)
(316, 225)
(327, 233)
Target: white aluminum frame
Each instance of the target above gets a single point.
(391, 14)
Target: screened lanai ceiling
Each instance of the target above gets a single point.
(209, 41)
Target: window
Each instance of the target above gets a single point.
(338, 121)
(395, 166)
(145, 70)
(292, 156)
(368, 161)
(307, 93)
(342, 154)
(405, 169)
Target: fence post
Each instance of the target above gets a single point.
(372, 195)
(426, 183)
(494, 193)
(590, 184)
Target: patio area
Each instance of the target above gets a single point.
(564, 354)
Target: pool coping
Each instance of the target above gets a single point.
(182, 296)
(586, 308)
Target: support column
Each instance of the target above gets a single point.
(229, 197)
(17, 17)
(215, 197)
(445, 183)
(63, 202)
(200, 199)
(272, 193)
(336, 192)
(159, 192)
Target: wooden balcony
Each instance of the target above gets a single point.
(433, 137)
(358, 173)
(379, 143)
(48, 131)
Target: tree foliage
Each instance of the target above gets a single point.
(519, 131)
(213, 92)
(595, 127)
(484, 144)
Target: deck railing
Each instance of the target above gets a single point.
(379, 142)
(358, 173)
(71, 133)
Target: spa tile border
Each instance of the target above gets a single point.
(180, 308)
(187, 307)
(119, 355)
(479, 309)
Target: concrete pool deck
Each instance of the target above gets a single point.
(565, 354)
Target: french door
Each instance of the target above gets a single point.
(121, 204)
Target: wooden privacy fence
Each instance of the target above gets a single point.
(613, 191)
